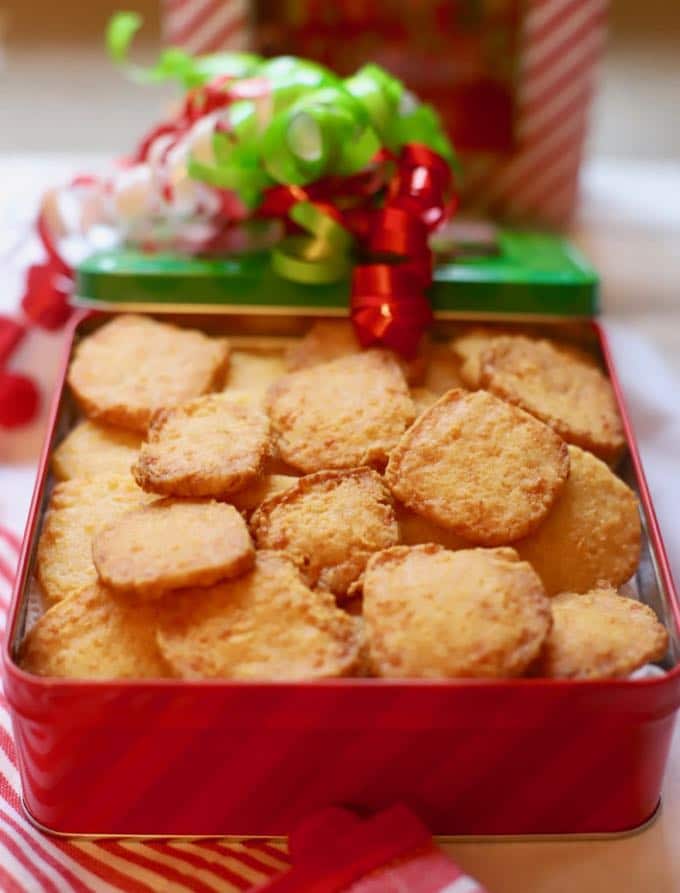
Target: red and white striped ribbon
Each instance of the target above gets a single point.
(31, 862)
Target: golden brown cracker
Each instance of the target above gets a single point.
(254, 371)
(414, 530)
(432, 613)
(211, 446)
(592, 534)
(93, 449)
(248, 499)
(423, 399)
(468, 348)
(330, 339)
(172, 544)
(442, 372)
(600, 635)
(484, 469)
(77, 509)
(94, 634)
(325, 340)
(349, 412)
(559, 386)
(133, 366)
(329, 523)
(266, 624)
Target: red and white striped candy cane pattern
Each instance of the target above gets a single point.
(562, 41)
(204, 26)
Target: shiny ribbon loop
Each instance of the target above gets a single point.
(324, 255)
(422, 184)
(384, 280)
(388, 302)
(396, 231)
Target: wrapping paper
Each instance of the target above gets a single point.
(527, 172)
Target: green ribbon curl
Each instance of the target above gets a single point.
(292, 78)
(378, 92)
(298, 259)
(319, 124)
(173, 63)
(323, 256)
(248, 183)
(325, 131)
(422, 125)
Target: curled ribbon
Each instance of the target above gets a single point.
(389, 308)
(388, 303)
(323, 255)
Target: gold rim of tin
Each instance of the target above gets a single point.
(306, 310)
(439, 838)
(203, 309)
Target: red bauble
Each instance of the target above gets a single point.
(46, 299)
(19, 400)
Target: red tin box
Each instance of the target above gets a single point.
(470, 757)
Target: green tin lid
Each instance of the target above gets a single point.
(527, 273)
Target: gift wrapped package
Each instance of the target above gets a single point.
(512, 80)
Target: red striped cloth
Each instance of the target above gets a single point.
(32, 862)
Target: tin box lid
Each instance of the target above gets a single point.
(527, 273)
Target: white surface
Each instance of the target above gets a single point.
(637, 228)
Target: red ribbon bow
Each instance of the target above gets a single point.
(388, 301)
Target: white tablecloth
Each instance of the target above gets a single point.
(630, 226)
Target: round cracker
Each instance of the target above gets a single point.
(414, 530)
(133, 366)
(78, 508)
(349, 412)
(442, 371)
(482, 468)
(468, 348)
(592, 535)
(558, 386)
(330, 339)
(211, 446)
(247, 500)
(92, 449)
(266, 624)
(329, 524)
(325, 340)
(172, 544)
(600, 635)
(94, 634)
(253, 371)
(423, 399)
(432, 613)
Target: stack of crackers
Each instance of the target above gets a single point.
(326, 511)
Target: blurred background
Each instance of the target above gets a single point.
(58, 91)
(65, 108)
